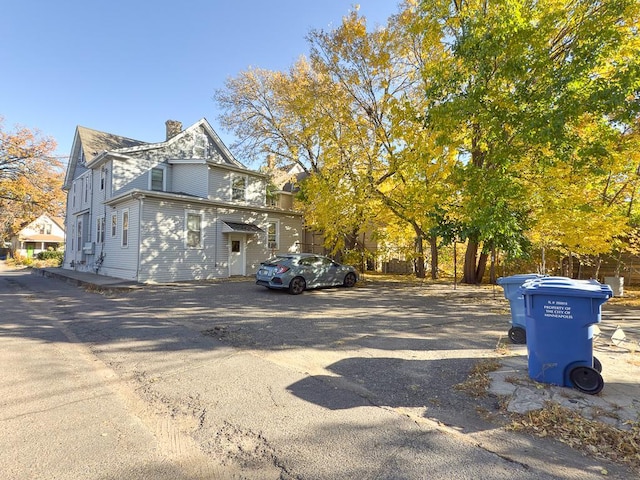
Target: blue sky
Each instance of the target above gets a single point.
(127, 66)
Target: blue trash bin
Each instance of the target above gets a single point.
(560, 314)
(511, 285)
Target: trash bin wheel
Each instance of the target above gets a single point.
(587, 380)
(518, 335)
(597, 365)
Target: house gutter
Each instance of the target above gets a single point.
(193, 199)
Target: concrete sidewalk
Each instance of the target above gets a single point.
(87, 279)
(618, 404)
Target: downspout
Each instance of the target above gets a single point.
(140, 211)
(215, 236)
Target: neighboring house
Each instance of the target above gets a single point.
(182, 209)
(42, 234)
(284, 186)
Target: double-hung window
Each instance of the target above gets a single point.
(114, 225)
(79, 235)
(125, 228)
(238, 188)
(193, 230)
(100, 230)
(87, 186)
(156, 180)
(273, 231)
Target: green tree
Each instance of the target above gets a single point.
(516, 79)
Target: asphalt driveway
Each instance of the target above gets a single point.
(335, 383)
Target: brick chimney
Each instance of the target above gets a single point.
(173, 128)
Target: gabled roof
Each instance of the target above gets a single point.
(94, 142)
(286, 178)
(38, 237)
(97, 146)
(59, 221)
(202, 123)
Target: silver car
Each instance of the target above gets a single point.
(298, 272)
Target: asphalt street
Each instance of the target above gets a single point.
(231, 380)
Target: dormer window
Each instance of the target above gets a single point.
(201, 146)
(157, 179)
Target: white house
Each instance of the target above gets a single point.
(43, 233)
(182, 209)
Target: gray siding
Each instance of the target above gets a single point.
(134, 173)
(156, 250)
(219, 184)
(164, 256)
(121, 261)
(220, 180)
(190, 178)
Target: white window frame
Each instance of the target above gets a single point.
(164, 178)
(79, 235)
(273, 200)
(187, 244)
(273, 244)
(114, 224)
(100, 226)
(73, 196)
(124, 228)
(87, 187)
(103, 178)
(245, 180)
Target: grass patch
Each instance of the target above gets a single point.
(595, 438)
(631, 298)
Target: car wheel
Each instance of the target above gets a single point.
(297, 286)
(349, 280)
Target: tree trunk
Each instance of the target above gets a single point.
(492, 269)
(419, 261)
(570, 269)
(433, 241)
(598, 264)
(470, 258)
(482, 266)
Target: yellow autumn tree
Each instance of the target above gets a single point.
(30, 179)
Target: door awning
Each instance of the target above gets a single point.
(235, 227)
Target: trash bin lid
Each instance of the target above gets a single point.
(564, 286)
(519, 278)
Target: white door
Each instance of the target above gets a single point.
(236, 254)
